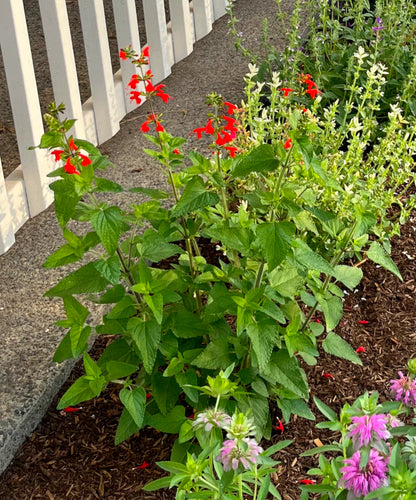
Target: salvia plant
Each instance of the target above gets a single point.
(279, 205)
(375, 457)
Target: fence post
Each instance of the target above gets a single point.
(220, 8)
(157, 38)
(99, 68)
(21, 82)
(127, 29)
(6, 222)
(202, 18)
(62, 61)
(182, 28)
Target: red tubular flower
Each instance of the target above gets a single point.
(176, 151)
(224, 139)
(288, 144)
(159, 127)
(307, 481)
(85, 160)
(230, 123)
(133, 82)
(69, 409)
(149, 87)
(363, 322)
(145, 51)
(57, 153)
(165, 97)
(148, 396)
(145, 127)
(327, 375)
(122, 55)
(143, 466)
(280, 426)
(208, 129)
(69, 168)
(360, 349)
(135, 95)
(232, 150)
(286, 91)
(313, 92)
(230, 107)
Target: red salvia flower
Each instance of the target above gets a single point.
(135, 95)
(360, 349)
(122, 55)
(145, 51)
(363, 322)
(286, 91)
(176, 151)
(224, 139)
(148, 396)
(70, 409)
(279, 426)
(327, 375)
(57, 153)
(85, 160)
(143, 466)
(133, 82)
(145, 127)
(69, 168)
(165, 97)
(230, 107)
(313, 92)
(307, 481)
(159, 127)
(72, 145)
(230, 123)
(232, 150)
(288, 144)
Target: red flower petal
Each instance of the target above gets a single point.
(145, 51)
(122, 55)
(360, 349)
(69, 168)
(57, 153)
(72, 145)
(280, 427)
(135, 96)
(145, 127)
(143, 466)
(327, 375)
(159, 127)
(363, 322)
(230, 107)
(133, 82)
(176, 151)
(286, 91)
(69, 409)
(85, 160)
(307, 481)
(288, 144)
(232, 150)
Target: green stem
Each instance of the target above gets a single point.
(128, 274)
(240, 487)
(255, 483)
(259, 276)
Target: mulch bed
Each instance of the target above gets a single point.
(72, 455)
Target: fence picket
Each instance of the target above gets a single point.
(21, 82)
(127, 30)
(182, 28)
(6, 221)
(219, 8)
(202, 17)
(62, 60)
(161, 56)
(99, 68)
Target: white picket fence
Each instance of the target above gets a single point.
(25, 192)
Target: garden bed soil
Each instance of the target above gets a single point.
(72, 455)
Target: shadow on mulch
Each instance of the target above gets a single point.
(72, 455)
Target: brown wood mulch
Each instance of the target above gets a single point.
(72, 455)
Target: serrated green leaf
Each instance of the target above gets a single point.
(155, 248)
(377, 254)
(107, 186)
(348, 275)
(262, 159)
(171, 423)
(155, 194)
(166, 391)
(84, 280)
(334, 344)
(275, 239)
(108, 225)
(311, 259)
(135, 402)
(146, 335)
(332, 309)
(81, 390)
(287, 372)
(126, 427)
(66, 200)
(286, 281)
(263, 335)
(194, 197)
(109, 269)
(215, 355)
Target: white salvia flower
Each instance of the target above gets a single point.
(252, 70)
(276, 81)
(361, 54)
(396, 111)
(260, 85)
(355, 125)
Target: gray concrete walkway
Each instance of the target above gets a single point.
(28, 338)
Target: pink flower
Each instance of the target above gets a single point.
(368, 429)
(361, 481)
(232, 454)
(404, 389)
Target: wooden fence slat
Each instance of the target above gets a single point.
(127, 29)
(182, 28)
(6, 222)
(21, 82)
(62, 61)
(219, 8)
(202, 18)
(157, 38)
(99, 68)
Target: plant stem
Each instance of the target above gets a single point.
(240, 487)
(259, 276)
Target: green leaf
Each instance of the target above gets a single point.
(105, 185)
(155, 248)
(81, 390)
(135, 402)
(187, 379)
(171, 423)
(187, 325)
(295, 406)
(311, 259)
(322, 449)
(264, 488)
(118, 360)
(50, 140)
(334, 344)
(194, 197)
(235, 238)
(84, 280)
(275, 239)
(348, 275)
(263, 335)
(109, 269)
(155, 194)
(91, 368)
(66, 199)
(126, 427)
(73, 344)
(155, 303)
(215, 355)
(157, 484)
(166, 391)
(108, 225)
(286, 281)
(287, 372)
(377, 254)
(332, 309)
(146, 335)
(187, 432)
(262, 159)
